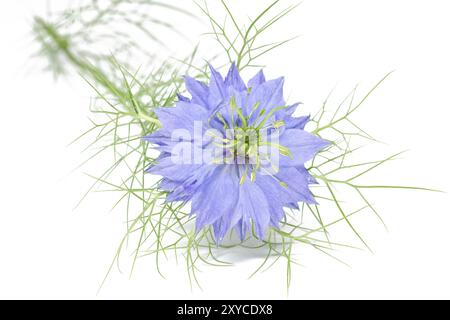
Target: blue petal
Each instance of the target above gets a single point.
(289, 111)
(257, 80)
(297, 181)
(158, 137)
(168, 185)
(217, 89)
(188, 187)
(183, 98)
(274, 198)
(285, 114)
(269, 95)
(302, 145)
(296, 123)
(279, 196)
(166, 168)
(253, 207)
(198, 90)
(234, 80)
(182, 116)
(208, 202)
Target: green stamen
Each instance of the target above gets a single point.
(278, 124)
(220, 117)
(267, 117)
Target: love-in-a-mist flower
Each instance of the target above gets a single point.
(235, 152)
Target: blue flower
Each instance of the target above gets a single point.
(242, 184)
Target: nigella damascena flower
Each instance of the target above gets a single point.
(235, 152)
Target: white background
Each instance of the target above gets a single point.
(49, 250)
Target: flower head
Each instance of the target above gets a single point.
(235, 151)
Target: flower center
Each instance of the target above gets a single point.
(245, 143)
(247, 137)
